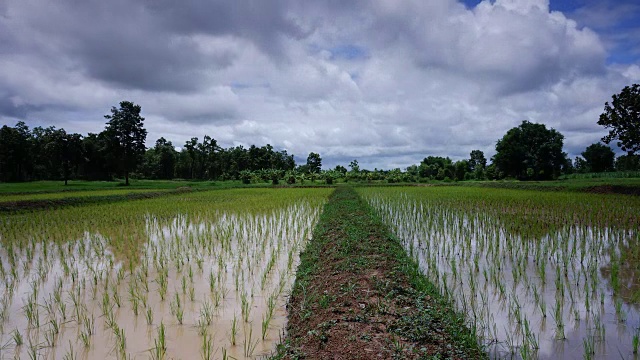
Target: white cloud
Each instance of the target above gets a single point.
(414, 78)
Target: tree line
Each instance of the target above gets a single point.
(529, 151)
(119, 151)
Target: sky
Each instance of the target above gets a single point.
(386, 82)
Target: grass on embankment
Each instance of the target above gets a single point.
(85, 199)
(622, 186)
(42, 187)
(358, 295)
(54, 194)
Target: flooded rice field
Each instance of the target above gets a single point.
(539, 275)
(197, 276)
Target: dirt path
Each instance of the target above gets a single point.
(358, 296)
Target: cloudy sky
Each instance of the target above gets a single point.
(385, 81)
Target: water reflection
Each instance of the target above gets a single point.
(529, 295)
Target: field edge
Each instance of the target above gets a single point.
(358, 294)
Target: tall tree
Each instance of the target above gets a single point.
(628, 163)
(65, 151)
(622, 118)
(167, 155)
(599, 158)
(477, 160)
(314, 163)
(530, 151)
(14, 152)
(126, 132)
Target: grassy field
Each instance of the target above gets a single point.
(536, 272)
(77, 185)
(37, 195)
(596, 184)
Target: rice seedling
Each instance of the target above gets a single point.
(149, 316)
(70, 355)
(159, 351)
(207, 347)
(177, 309)
(234, 330)
(535, 253)
(249, 346)
(17, 338)
(114, 261)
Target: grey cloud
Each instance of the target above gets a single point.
(437, 79)
(148, 45)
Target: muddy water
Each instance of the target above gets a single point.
(546, 297)
(217, 286)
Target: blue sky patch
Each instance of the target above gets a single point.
(348, 52)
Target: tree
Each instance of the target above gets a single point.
(355, 168)
(530, 151)
(462, 167)
(126, 135)
(599, 158)
(477, 160)
(68, 151)
(580, 165)
(622, 117)
(628, 163)
(314, 163)
(14, 152)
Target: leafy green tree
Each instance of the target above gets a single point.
(329, 176)
(599, 158)
(314, 163)
(160, 162)
(340, 169)
(491, 173)
(95, 163)
(14, 152)
(355, 168)
(436, 167)
(477, 160)
(580, 165)
(126, 133)
(462, 168)
(628, 163)
(622, 118)
(530, 151)
(68, 152)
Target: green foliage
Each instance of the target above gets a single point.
(530, 152)
(126, 136)
(622, 118)
(477, 161)
(314, 163)
(628, 163)
(598, 158)
(436, 167)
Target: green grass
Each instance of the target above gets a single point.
(78, 185)
(352, 241)
(575, 184)
(603, 175)
(73, 194)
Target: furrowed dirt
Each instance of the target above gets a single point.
(358, 296)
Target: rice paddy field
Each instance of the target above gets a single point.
(550, 275)
(192, 275)
(33, 196)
